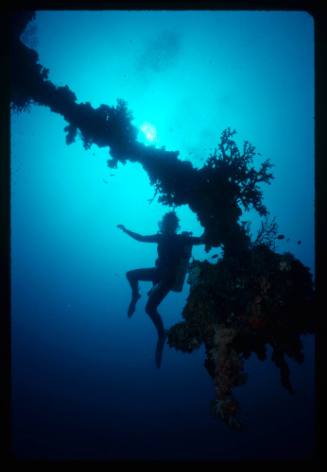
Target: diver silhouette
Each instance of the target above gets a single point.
(174, 251)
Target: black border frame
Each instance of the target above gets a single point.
(319, 15)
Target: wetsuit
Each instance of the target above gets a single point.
(170, 250)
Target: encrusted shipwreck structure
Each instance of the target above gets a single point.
(251, 297)
(239, 306)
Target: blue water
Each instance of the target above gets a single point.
(85, 383)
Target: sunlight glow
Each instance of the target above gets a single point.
(149, 131)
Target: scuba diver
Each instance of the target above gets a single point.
(174, 251)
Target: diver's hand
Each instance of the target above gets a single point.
(122, 227)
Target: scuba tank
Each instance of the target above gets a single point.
(182, 266)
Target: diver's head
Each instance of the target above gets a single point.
(169, 223)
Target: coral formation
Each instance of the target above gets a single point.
(240, 306)
(217, 193)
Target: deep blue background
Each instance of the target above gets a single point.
(84, 379)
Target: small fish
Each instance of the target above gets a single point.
(280, 236)
(214, 256)
(105, 181)
(299, 241)
(111, 175)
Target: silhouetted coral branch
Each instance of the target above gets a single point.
(216, 193)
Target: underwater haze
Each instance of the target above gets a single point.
(84, 380)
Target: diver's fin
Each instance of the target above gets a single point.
(159, 348)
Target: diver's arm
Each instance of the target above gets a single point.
(138, 237)
(195, 240)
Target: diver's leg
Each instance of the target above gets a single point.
(158, 293)
(133, 276)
